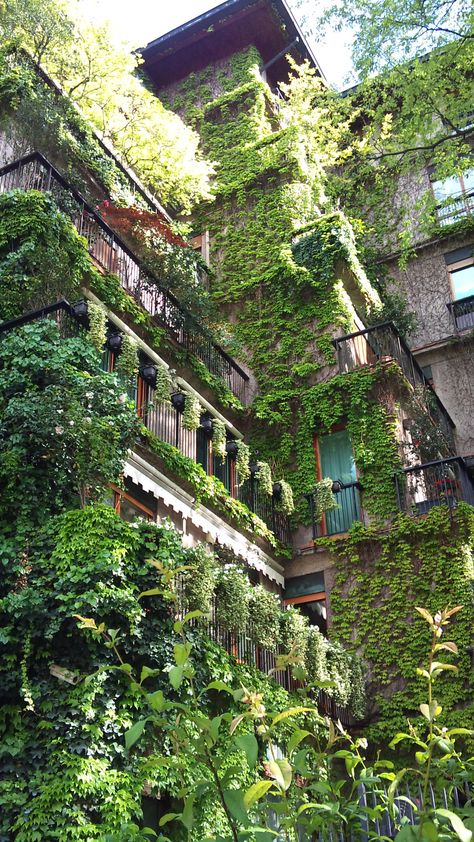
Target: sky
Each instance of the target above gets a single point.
(140, 21)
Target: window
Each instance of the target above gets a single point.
(461, 276)
(335, 459)
(454, 197)
(134, 503)
(308, 593)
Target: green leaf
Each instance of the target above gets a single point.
(256, 792)
(152, 592)
(425, 614)
(220, 685)
(429, 831)
(176, 676)
(156, 700)
(187, 816)
(148, 673)
(290, 712)
(296, 738)
(281, 772)
(134, 733)
(181, 653)
(168, 817)
(234, 801)
(457, 824)
(249, 745)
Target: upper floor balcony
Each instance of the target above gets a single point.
(383, 343)
(108, 250)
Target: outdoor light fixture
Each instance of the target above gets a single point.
(114, 342)
(337, 486)
(206, 424)
(277, 490)
(80, 311)
(148, 373)
(178, 400)
(231, 448)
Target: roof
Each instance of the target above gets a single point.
(269, 25)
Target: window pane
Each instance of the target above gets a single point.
(468, 179)
(446, 188)
(463, 282)
(337, 461)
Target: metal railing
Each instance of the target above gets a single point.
(462, 312)
(243, 647)
(34, 172)
(266, 508)
(455, 207)
(337, 521)
(444, 482)
(383, 343)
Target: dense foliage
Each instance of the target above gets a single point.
(102, 79)
(379, 580)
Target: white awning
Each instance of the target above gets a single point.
(175, 498)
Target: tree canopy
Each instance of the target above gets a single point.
(103, 79)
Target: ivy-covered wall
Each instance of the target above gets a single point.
(379, 578)
(286, 271)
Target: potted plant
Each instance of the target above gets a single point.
(242, 462)
(163, 385)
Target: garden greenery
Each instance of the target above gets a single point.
(192, 412)
(127, 360)
(97, 317)
(219, 434)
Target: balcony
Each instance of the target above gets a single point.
(462, 312)
(34, 172)
(455, 207)
(165, 421)
(444, 482)
(383, 343)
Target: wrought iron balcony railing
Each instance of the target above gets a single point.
(455, 207)
(166, 423)
(383, 343)
(444, 482)
(462, 312)
(243, 646)
(34, 172)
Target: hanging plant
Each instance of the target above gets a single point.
(242, 461)
(200, 582)
(264, 615)
(192, 412)
(164, 385)
(219, 434)
(340, 672)
(264, 476)
(294, 632)
(358, 700)
(316, 657)
(232, 599)
(97, 325)
(127, 362)
(286, 503)
(324, 499)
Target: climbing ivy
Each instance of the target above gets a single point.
(380, 578)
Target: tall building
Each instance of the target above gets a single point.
(371, 436)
